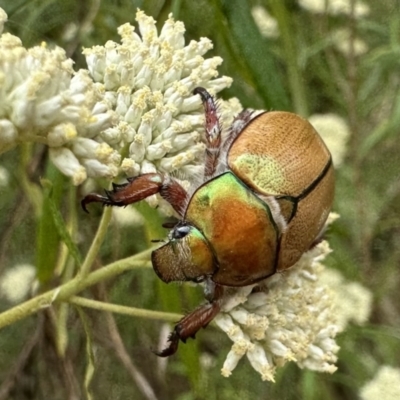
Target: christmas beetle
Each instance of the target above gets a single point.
(263, 201)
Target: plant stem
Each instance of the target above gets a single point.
(119, 309)
(71, 288)
(29, 137)
(97, 241)
(31, 190)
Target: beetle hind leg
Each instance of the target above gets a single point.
(189, 325)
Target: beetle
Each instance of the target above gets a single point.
(265, 195)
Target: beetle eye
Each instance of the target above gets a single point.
(180, 232)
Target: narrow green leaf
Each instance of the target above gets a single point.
(60, 224)
(384, 130)
(254, 51)
(47, 237)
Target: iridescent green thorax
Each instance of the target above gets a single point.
(238, 227)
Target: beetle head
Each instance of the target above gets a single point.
(185, 257)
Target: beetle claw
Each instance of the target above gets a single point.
(172, 347)
(93, 198)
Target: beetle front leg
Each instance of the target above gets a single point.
(190, 324)
(140, 188)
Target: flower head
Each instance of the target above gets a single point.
(43, 99)
(149, 78)
(384, 386)
(289, 317)
(135, 100)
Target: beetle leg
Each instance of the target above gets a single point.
(190, 324)
(213, 131)
(238, 124)
(139, 188)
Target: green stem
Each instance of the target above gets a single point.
(97, 241)
(26, 138)
(32, 191)
(289, 46)
(66, 267)
(73, 287)
(176, 7)
(116, 308)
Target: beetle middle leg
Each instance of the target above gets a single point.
(190, 324)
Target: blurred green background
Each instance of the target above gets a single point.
(303, 69)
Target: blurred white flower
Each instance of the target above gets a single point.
(335, 133)
(267, 25)
(384, 386)
(352, 301)
(289, 318)
(207, 361)
(341, 39)
(16, 282)
(335, 7)
(127, 216)
(4, 177)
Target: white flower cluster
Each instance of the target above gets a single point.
(148, 80)
(335, 132)
(42, 99)
(335, 7)
(135, 99)
(290, 318)
(384, 386)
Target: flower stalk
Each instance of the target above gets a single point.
(73, 287)
(119, 309)
(97, 241)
